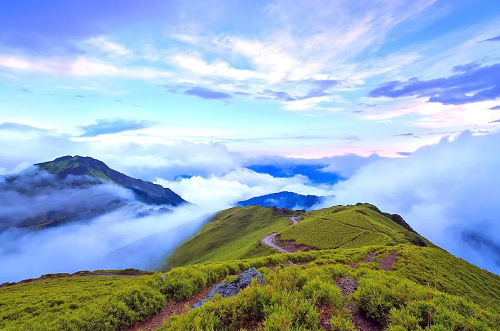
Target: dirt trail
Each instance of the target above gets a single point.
(269, 240)
(172, 308)
(362, 322)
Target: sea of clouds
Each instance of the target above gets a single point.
(447, 192)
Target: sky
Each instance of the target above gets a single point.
(290, 78)
(393, 102)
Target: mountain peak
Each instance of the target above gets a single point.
(77, 165)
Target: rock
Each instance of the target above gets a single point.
(246, 277)
(198, 304)
(233, 287)
(225, 290)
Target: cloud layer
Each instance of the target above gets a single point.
(444, 191)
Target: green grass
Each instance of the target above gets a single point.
(426, 289)
(232, 234)
(348, 227)
(422, 292)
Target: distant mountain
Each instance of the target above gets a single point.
(146, 192)
(74, 189)
(283, 199)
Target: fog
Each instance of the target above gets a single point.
(448, 192)
(117, 239)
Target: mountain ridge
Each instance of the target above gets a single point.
(145, 191)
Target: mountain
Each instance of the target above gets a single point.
(283, 199)
(340, 268)
(76, 188)
(146, 192)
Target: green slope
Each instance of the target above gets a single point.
(236, 233)
(349, 227)
(232, 234)
(421, 292)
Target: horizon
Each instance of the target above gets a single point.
(393, 103)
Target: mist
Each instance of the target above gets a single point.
(448, 192)
(123, 237)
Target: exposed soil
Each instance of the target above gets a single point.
(362, 322)
(325, 313)
(172, 308)
(370, 257)
(347, 285)
(387, 262)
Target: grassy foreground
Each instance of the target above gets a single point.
(421, 293)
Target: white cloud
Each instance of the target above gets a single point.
(79, 67)
(103, 44)
(441, 190)
(217, 68)
(238, 185)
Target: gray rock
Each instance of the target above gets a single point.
(225, 290)
(246, 277)
(233, 287)
(198, 304)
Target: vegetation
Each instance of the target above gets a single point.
(425, 289)
(232, 234)
(409, 297)
(349, 227)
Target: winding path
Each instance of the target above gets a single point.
(268, 240)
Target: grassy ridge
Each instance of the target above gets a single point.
(349, 227)
(232, 234)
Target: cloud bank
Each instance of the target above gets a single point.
(444, 191)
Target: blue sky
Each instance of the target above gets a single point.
(291, 78)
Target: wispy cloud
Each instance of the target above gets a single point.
(103, 44)
(492, 39)
(80, 67)
(111, 126)
(472, 84)
(205, 93)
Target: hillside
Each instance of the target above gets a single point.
(232, 234)
(284, 199)
(350, 227)
(425, 289)
(146, 192)
(236, 233)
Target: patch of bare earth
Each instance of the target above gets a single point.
(387, 262)
(290, 245)
(362, 322)
(172, 308)
(370, 257)
(325, 313)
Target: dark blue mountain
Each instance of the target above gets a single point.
(288, 200)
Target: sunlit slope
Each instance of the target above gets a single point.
(426, 289)
(234, 233)
(350, 227)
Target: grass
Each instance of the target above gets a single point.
(426, 289)
(348, 227)
(410, 297)
(232, 234)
